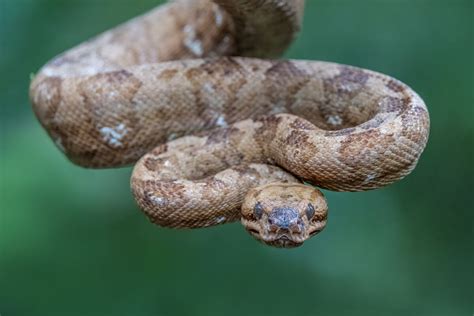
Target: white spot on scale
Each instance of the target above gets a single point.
(158, 200)
(221, 122)
(208, 87)
(46, 93)
(278, 107)
(172, 136)
(217, 15)
(385, 130)
(369, 178)
(48, 72)
(224, 43)
(334, 120)
(220, 219)
(113, 135)
(191, 42)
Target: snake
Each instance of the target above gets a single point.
(219, 127)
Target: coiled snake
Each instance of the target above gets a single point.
(233, 137)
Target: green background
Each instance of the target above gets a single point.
(72, 241)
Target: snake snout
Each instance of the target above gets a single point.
(286, 227)
(285, 218)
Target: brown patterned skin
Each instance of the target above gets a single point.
(255, 128)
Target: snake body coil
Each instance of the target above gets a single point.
(233, 137)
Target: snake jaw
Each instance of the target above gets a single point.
(284, 242)
(279, 240)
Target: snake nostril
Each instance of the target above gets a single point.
(295, 228)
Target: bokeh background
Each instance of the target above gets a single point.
(72, 241)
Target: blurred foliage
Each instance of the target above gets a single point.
(72, 241)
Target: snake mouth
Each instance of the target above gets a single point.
(283, 241)
(279, 241)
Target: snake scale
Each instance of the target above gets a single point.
(220, 138)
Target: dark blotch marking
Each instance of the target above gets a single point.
(393, 104)
(159, 150)
(119, 76)
(282, 82)
(395, 86)
(153, 163)
(221, 66)
(269, 126)
(168, 74)
(353, 144)
(283, 67)
(340, 132)
(355, 147)
(348, 76)
(269, 119)
(96, 89)
(169, 190)
(244, 170)
(215, 183)
(83, 157)
(297, 138)
(352, 75)
(320, 217)
(255, 68)
(302, 124)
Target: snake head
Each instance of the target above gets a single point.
(284, 215)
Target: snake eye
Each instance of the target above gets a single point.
(258, 210)
(310, 211)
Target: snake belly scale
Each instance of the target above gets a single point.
(221, 131)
